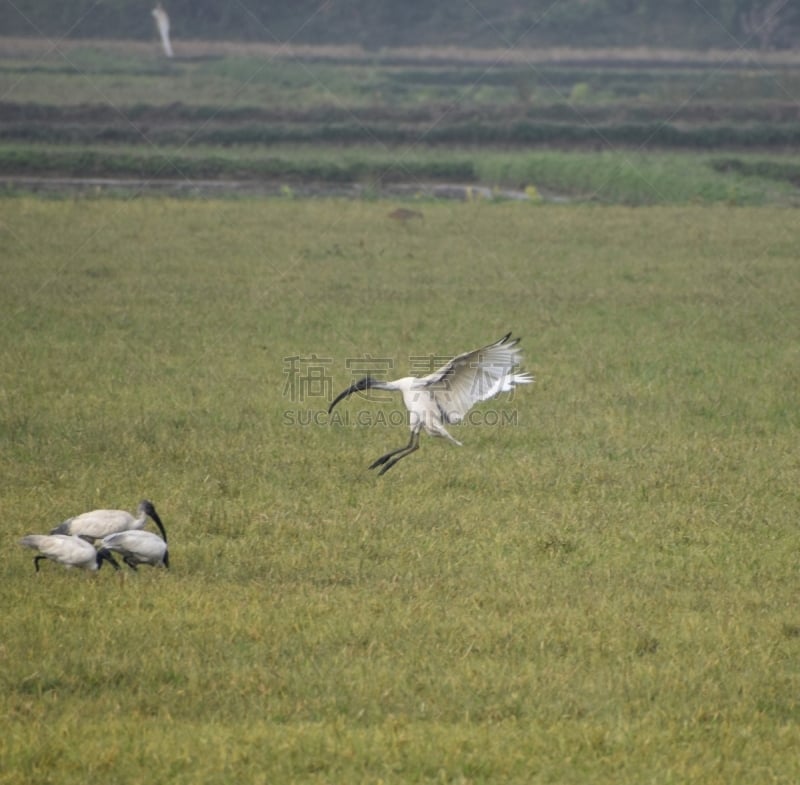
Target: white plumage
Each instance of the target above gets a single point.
(138, 547)
(162, 23)
(67, 550)
(97, 524)
(446, 395)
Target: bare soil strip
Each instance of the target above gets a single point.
(636, 56)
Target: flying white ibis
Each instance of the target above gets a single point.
(162, 23)
(446, 395)
(67, 550)
(138, 547)
(97, 524)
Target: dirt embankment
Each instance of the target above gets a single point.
(650, 57)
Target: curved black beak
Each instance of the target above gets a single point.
(361, 384)
(105, 555)
(154, 515)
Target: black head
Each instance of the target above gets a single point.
(361, 384)
(150, 509)
(103, 554)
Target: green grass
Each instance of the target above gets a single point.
(129, 73)
(613, 177)
(602, 590)
(99, 94)
(610, 127)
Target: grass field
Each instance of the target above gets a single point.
(613, 177)
(599, 587)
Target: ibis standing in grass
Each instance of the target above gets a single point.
(67, 550)
(97, 524)
(446, 395)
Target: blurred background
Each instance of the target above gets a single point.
(763, 24)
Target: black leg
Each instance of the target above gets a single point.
(399, 457)
(392, 453)
(388, 455)
(393, 457)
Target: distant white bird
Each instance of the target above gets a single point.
(446, 395)
(162, 23)
(97, 524)
(67, 550)
(138, 547)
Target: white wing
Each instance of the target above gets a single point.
(62, 548)
(140, 545)
(97, 523)
(475, 376)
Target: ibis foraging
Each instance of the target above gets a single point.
(67, 550)
(446, 395)
(138, 547)
(97, 524)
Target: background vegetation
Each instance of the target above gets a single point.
(608, 128)
(728, 24)
(603, 589)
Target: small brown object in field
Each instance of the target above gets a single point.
(403, 214)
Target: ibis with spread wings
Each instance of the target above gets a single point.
(446, 395)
